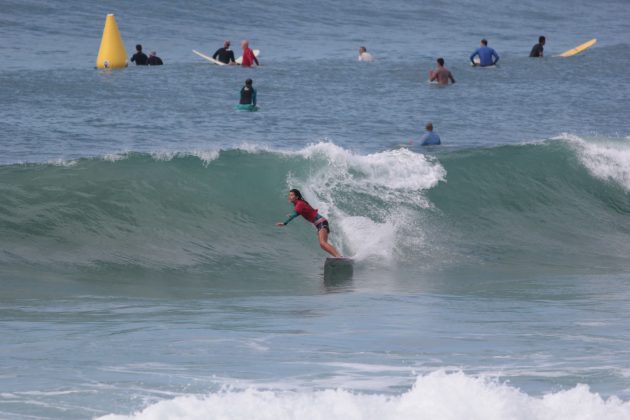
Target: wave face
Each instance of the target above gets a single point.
(435, 396)
(561, 204)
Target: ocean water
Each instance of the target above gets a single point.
(141, 271)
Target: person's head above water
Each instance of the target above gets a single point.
(362, 50)
(248, 82)
(226, 44)
(138, 47)
(541, 40)
(484, 42)
(295, 195)
(244, 44)
(440, 61)
(153, 54)
(429, 126)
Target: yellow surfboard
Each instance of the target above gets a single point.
(579, 48)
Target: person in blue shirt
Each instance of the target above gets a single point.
(430, 138)
(487, 55)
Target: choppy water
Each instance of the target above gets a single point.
(141, 271)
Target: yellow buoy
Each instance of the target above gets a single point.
(112, 52)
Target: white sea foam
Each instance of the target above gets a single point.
(439, 395)
(397, 178)
(206, 156)
(608, 160)
(62, 162)
(115, 157)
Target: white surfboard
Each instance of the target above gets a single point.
(210, 59)
(240, 59)
(477, 61)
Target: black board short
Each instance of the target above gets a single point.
(322, 225)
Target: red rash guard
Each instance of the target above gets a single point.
(306, 211)
(248, 58)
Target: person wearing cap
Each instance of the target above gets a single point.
(225, 54)
(154, 60)
(139, 57)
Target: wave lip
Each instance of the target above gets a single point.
(607, 160)
(438, 395)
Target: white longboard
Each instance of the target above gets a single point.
(210, 59)
(240, 59)
(477, 61)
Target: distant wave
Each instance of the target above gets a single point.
(438, 395)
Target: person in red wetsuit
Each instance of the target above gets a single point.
(248, 55)
(302, 208)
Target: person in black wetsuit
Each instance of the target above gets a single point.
(139, 57)
(248, 97)
(225, 54)
(537, 50)
(154, 60)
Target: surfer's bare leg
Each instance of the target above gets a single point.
(323, 242)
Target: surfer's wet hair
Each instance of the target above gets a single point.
(440, 61)
(249, 82)
(298, 195)
(484, 41)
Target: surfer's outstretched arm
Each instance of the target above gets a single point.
(291, 217)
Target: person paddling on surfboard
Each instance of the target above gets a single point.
(302, 208)
(249, 57)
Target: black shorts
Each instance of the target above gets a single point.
(322, 225)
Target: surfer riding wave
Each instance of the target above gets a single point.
(302, 208)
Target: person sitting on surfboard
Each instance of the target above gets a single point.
(248, 97)
(486, 55)
(430, 138)
(441, 74)
(537, 50)
(301, 207)
(225, 54)
(249, 57)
